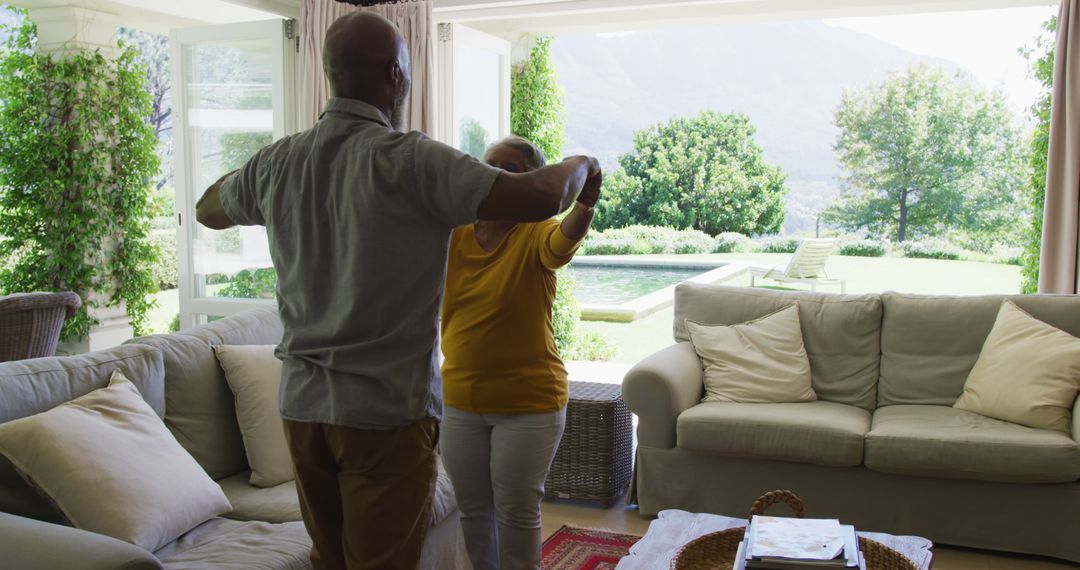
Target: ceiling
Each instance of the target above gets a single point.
(532, 16)
(569, 16)
(163, 15)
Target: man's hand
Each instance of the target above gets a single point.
(590, 193)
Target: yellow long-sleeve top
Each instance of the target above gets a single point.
(496, 322)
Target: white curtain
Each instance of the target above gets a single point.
(412, 17)
(1061, 218)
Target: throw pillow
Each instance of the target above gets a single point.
(1028, 373)
(254, 376)
(112, 467)
(760, 361)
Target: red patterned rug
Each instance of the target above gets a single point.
(573, 548)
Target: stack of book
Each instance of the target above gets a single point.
(798, 544)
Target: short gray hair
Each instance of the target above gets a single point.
(534, 157)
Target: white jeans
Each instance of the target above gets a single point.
(498, 464)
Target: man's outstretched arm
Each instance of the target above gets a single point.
(540, 194)
(209, 211)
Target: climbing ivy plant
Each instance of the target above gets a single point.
(536, 101)
(1041, 60)
(77, 164)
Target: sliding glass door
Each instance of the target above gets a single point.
(233, 87)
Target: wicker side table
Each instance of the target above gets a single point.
(595, 457)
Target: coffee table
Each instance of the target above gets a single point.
(674, 528)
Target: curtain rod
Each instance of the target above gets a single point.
(366, 3)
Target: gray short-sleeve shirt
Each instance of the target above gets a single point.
(358, 217)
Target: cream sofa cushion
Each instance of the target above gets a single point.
(941, 441)
(1028, 373)
(842, 333)
(822, 433)
(760, 361)
(248, 545)
(112, 467)
(29, 387)
(929, 344)
(199, 409)
(254, 376)
(273, 504)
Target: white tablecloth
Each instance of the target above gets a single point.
(674, 528)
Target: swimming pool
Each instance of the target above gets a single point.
(616, 285)
(624, 289)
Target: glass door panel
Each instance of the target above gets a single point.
(474, 76)
(232, 100)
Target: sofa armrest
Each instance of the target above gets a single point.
(1076, 420)
(29, 543)
(661, 387)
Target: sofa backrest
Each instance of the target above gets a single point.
(929, 344)
(29, 387)
(842, 333)
(199, 407)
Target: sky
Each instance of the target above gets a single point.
(985, 43)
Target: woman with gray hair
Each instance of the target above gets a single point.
(504, 385)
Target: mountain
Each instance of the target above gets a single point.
(788, 77)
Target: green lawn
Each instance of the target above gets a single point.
(863, 274)
(168, 306)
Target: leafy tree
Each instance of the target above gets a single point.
(152, 52)
(705, 173)
(536, 101)
(474, 139)
(237, 148)
(926, 154)
(1041, 57)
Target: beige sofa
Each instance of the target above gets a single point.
(882, 448)
(180, 378)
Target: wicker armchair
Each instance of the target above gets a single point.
(30, 323)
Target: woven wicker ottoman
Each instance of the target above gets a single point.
(595, 459)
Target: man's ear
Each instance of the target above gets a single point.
(397, 75)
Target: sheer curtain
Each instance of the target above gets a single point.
(412, 17)
(1061, 221)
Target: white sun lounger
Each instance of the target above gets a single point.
(806, 266)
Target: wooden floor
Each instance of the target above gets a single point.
(622, 518)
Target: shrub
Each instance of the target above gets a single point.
(692, 241)
(164, 269)
(731, 242)
(217, 279)
(1007, 255)
(174, 324)
(930, 250)
(251, 284)
(863, 248)
(643, 240)
(589, 345)
(163, 205)
(778, 244)
(228, 241)
(572, 342)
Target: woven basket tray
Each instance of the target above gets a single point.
(716, 551)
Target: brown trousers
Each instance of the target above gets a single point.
(365, 494)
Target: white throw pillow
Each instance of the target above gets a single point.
(254, 376)
(111, 466)
(761, 361)
(1028, 373)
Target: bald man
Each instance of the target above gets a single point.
(358, 216)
